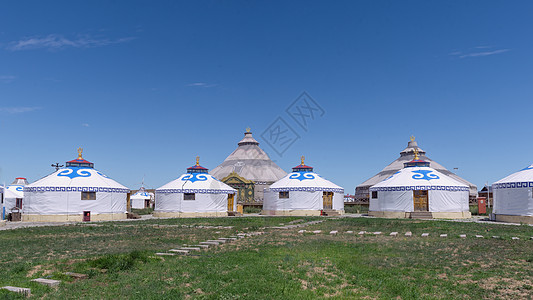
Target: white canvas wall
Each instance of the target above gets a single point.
(300, 200)
(60, 203)
(513, 201)
(173, 202)
(402, 201)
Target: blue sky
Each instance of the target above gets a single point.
(145, 86)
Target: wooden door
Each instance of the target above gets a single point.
(420, 199)
(327, 199)
(231, 198)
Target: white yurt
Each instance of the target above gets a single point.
(418, 191)
(513, 197)
(142, 199)
(14, 194)
(303, 193)
(195, 194)
(77, 192)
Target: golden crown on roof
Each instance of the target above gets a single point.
(416, 154)
(248, 129)
(412, 138)
(303, 159)
(197, 161)
(80, 151)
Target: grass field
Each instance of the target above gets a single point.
(281, 264)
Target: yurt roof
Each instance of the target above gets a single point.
(86, 179)
(419, 178)
(304, 181)
(196, 180)
(250, 162)
(142, 194)
(14, 191)
(523, 176)
(407, 155)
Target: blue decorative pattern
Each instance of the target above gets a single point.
(302, 176)
(307, 189)
(74, 172)
(512, 185)
(193, 177)
(199, 191)
(424, 175)
(74, 189)
(392, 175)
(421, 187)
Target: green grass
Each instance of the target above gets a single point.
(281, 264)
(356, 209)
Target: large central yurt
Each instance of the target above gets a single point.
(14, 194)
(141, 199)
(249, 170)
(513, 197)
(303, 193)
(195, 194)
(77, 192)
(419, 191)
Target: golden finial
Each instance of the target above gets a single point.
(416, 154)
(303, 158)
(197, 161)
(248, 129)
(412, 138)
(80, 151)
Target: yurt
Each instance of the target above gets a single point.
(406, 155)
(513, 197)
(14, 194)
(141, 199)
(419, 191)
(303, 193)
(77, 192)
(195, 194)
(249, 170)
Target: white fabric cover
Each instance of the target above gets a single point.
(513, 194)
(137, 200)
(211, 195)
(395, 193)
(305, 193)
(12, 192)
(60, 193)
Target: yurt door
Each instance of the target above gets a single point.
(421, 200)
(231, 198)
(327, 199)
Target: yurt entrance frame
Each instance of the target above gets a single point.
(327, 200)
(231, 199)
(421, 200)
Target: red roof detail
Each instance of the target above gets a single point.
(197, 168)
(80, 161)
(302, 167)
(20, 178)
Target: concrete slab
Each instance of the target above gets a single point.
(408, 233)
(201, 246)
(14, 289)
(191, 248)
(220, 241)
(179, 251)
(333, 232)
(302, 231)
(165, 254)
(495, 237)
(444, 235)
(462, 235)
(47, 282)
(210, 243)
(317, 231)
(515, 238)
(394, 233)
(377, 233)
(425, 234)
(349, 231)
(479, 236)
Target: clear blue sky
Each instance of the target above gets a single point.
(145, 86)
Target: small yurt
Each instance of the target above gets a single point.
(77, 192)
(14, 194)
(513, 197)
(195, 194)
(141, 199)
(418, 191)
(303, 193)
